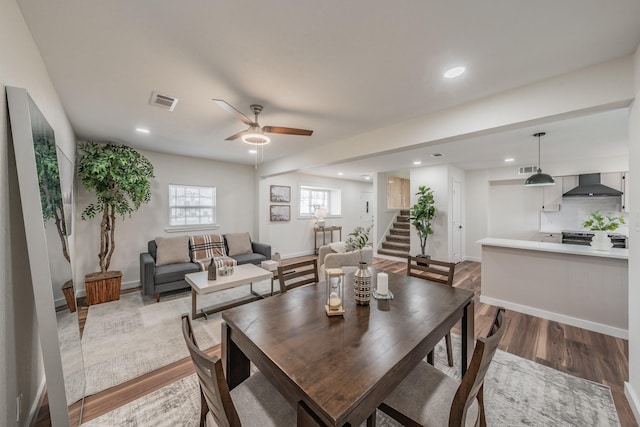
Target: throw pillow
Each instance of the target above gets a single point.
(172, 250)
(340, 247)
(238, 243)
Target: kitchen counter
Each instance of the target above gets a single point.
(571, 284)
(561, 248)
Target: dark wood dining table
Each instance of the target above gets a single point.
(337, 370)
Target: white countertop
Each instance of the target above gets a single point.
(561, 248)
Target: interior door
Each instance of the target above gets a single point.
(457, 222)
(366, 209)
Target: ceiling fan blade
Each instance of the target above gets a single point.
(230, 108)
(287, 131)
(236, 136)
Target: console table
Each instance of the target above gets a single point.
(323, 231)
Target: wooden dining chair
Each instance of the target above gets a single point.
(256, 399)
(297, 274)
(434, 271)
(430, 397)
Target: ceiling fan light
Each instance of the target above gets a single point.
(256, 138)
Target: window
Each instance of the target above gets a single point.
(312, 199)
(192, 205)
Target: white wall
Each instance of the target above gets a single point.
(20, 361)
(295, 237)
(235, 198)
(477, 211)
(633, 387)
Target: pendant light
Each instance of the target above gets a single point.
(539, 179)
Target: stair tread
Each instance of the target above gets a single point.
(395, 245)
(390, 252)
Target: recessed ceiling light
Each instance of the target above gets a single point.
(454, 72)
(437, 155)
(253, 151)
(340, 173)
(143, 130)
(417, 162)
(509, 159)
(367, 177)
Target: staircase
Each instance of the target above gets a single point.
(396, 243)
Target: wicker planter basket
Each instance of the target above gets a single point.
(103, 287)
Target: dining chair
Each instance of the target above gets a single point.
(430, 397)
(434, 271)
(253, 402)
(297, 274)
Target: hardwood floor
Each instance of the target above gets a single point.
(576, 351)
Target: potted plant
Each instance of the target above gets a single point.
(601, 224)
(119, 177)
(421, 216)
(356, 241)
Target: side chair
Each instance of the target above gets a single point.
(297, 274)
(434, 271)
(255, 402)
(429, 397)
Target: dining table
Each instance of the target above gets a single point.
(336, 370)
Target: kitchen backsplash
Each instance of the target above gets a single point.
(573, 212)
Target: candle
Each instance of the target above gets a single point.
(383, 283)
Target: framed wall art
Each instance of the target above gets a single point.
(280, 194)
(279, 213)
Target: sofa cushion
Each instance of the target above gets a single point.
(205, 247)
(172, 250)
(173, 272)
(238, 243)
(253, 258)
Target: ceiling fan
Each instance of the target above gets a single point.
(255, 134)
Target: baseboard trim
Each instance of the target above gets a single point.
(36, 404)
(633, 400)
(573, 321)
(472, 258)
(297, 254)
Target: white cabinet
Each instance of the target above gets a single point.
(552, 196)
(551, 237)
(613, 180)
(625, 191)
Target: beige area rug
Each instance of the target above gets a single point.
(518, 392)
(130, 337)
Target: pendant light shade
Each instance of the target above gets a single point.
(539, 179)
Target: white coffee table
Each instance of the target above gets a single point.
(244, 274)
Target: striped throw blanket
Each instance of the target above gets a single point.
(207, 246)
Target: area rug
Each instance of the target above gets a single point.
(518, 392)
(130, 337)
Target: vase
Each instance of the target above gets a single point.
(601, 241)
(362, 284)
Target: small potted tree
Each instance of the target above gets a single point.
(357, 240)
(421, 216)
(119, 177)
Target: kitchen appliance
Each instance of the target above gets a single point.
(589, 186)
(584, 238)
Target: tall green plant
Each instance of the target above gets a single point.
(422, 213)
(119, 177)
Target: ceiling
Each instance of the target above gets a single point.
(339, 68)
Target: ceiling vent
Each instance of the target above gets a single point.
(527, 170)
(163, 101)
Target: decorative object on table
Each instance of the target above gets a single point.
(421, 216)
(335, 292)
(280, 194)
(120, 178)
(539, 179)
(279, 213)
(212, 273)
(381, 290)
(356, 241)
(226, 270)
(601, 224)
(320, 215)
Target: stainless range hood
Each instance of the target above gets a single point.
(589, 186)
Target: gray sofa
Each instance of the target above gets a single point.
(170, 277)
